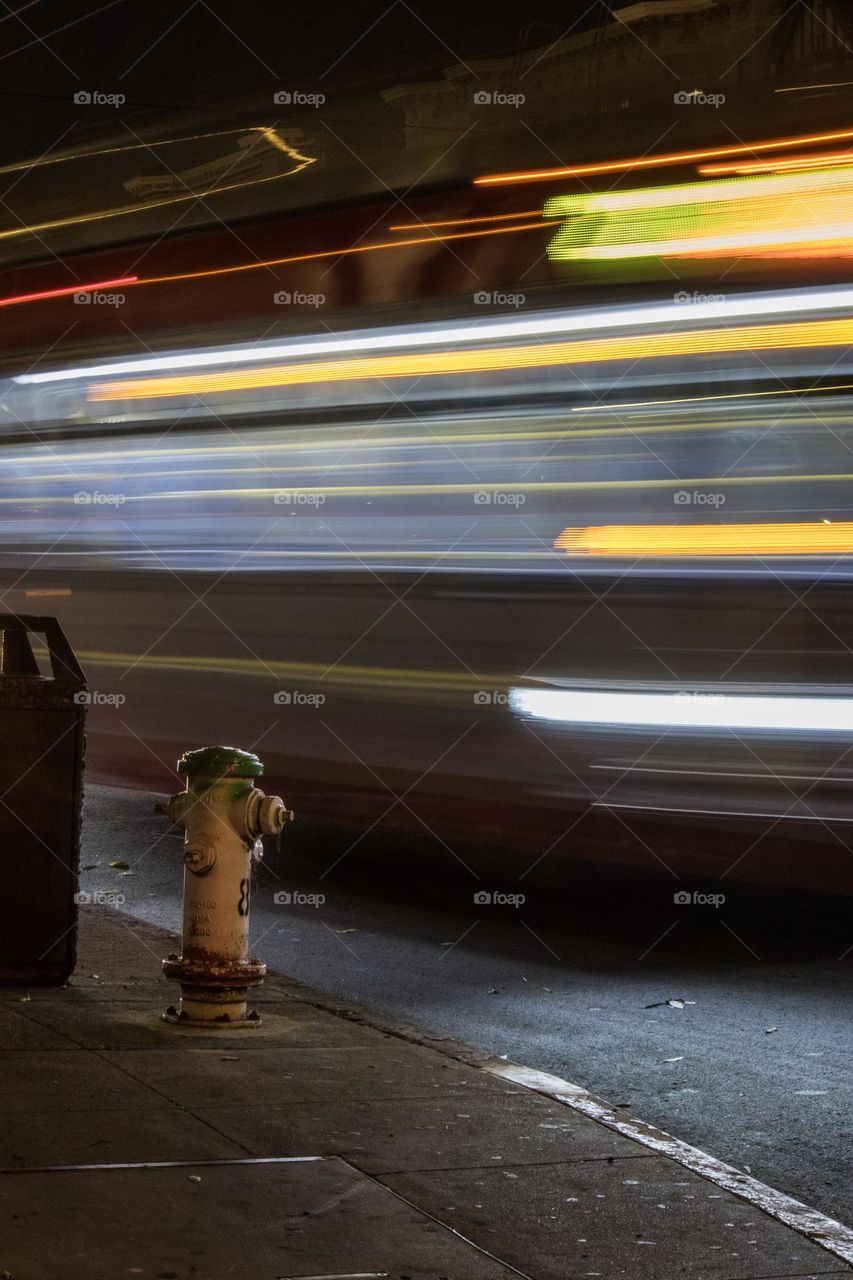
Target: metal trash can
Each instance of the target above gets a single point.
(42, 712)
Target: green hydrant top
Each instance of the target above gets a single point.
(220, 762)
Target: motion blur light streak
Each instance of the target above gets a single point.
(472, 488)
(69, 289)
(398, 681)
(780, 164)
(830, 251)
(685, 710)
(618, 405)
(658, 161)
(787, 302)
(454, 489)
(807, 88)
(465, 222)
(337, 253)
(709, 539)
(732, 215)
(823, 240)
(300, 257)
(69, 157)
(817, 333)
(36, 228)
(758, 187)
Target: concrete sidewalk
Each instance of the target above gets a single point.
(323, 1144)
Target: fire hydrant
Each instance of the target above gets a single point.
(223, 815)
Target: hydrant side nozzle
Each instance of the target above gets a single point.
(175, 807)
(272, 815)
(264, 815)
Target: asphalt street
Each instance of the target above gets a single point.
(724, 1024)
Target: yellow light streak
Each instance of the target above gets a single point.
(816, 333)
(805, 88)
(665, 541)
(300, 162)
(762, 212)
(731, 395)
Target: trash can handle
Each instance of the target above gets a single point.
(63, 664)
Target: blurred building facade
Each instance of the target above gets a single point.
(642, 72)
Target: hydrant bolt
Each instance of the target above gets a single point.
(223, 815)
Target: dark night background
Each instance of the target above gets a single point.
(170, 56)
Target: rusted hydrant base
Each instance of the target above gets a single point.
(213, 993)
(202, 1013)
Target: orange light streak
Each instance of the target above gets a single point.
(658, 161)
(781, 164)
(338, 253)
(464, 222)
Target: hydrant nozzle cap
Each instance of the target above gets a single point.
(220, 762)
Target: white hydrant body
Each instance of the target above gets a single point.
(223, 815)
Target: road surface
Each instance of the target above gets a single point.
(753, 1066)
